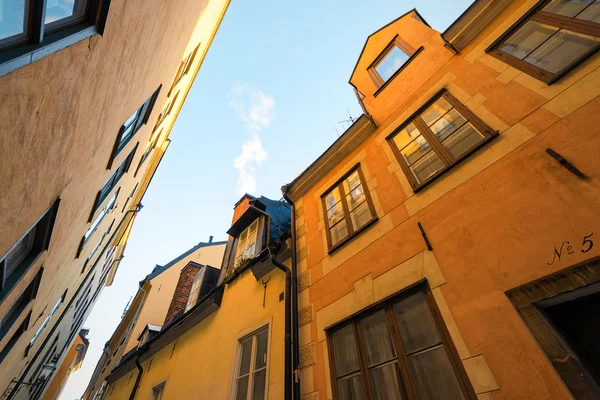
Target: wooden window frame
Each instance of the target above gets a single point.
(436, 146)
(36, 43)
(144, 114)
(258, 241)
(251, 371)
(556, 20)
(405, 48)
(529, 301)
(41, 242)
(351, 231)
(403, 363)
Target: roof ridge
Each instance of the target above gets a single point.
(186, 253)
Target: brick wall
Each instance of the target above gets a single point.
(182, 291)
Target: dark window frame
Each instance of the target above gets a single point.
(386, 304)
(44, 227)
(15, 337)
(436, 145)
(130, 196)
(351, 231)
(84, 239)
(530, 300)
(149, 147)
(36, 43)
(25, 298)
(410, 52)
(112, 182)
(144, 112)
(556, 20)
(166, 111)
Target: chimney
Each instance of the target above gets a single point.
(182, 291)
(210, 239)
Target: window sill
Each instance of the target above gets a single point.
(341, 243)
(23, 55)
(435, 177)
(411, 58)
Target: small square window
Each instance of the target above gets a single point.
(396, 55)
(23, 254)
(555, 37)
(348, 208)
(30, 30)
(158, 390)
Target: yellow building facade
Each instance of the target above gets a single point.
(87, 109)
(239, 324)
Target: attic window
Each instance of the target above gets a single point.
(393, 59)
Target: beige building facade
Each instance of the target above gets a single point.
(88, 102)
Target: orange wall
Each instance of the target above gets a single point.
(64, 371)
(493, 221)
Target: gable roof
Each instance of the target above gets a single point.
(414, 10)
(159, 269)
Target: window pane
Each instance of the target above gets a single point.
(335, 213)
(591, 13)
(391, 63)
(563, 48)
(406, 135)
(242, 388)
(416, 324)
(12, 18)
(434, 376)
(462, 140)
(355, 197)
(351, 182)
(61, 9)
(527, 39)
(427, 166)
(378, 344)
(345, 353)
(261, 350)
(415, 150)
(250, 251)
(258, 391)
(338, 232)
(18, 253)
(387, 383)
(568, 8)
(332, 198)
(246, 354)
(435, 111)
(352, 388)
(361, 215)
(444, 126)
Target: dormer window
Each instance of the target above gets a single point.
(247, 243)
(195, 290)
(394, 57)
(391, 62)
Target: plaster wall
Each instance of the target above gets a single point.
(493, 221)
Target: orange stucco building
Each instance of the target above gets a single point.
(447, 242)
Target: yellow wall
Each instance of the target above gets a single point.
(201, 364)
(157, 304)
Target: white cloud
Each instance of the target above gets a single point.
(256, 110)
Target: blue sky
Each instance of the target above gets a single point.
(275, 78)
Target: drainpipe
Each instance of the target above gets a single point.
(288, 377)
(294, 296)
(131, 325)
(140, 372)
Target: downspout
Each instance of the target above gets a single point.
(137, 315)
(140, 372)
(288, 377)
(294, 296)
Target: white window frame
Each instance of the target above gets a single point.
(107, 208)
(241, 250)
(196, 283)
(238, 359)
